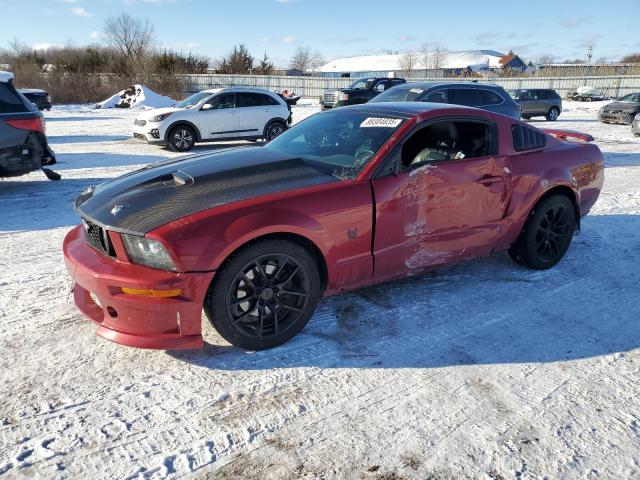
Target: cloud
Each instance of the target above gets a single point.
(587, 41)
(94, 34)
(192, 44)
(46, 11)
(80, 12)
(487, 37)
(285, 1)
(288, 40)
(407, 38)
(576, 21)
(265, 40)
(68, 1)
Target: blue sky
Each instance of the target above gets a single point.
(341, 28)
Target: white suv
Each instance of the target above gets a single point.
(234, 113)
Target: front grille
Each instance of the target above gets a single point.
(330, 97)
(140, 123)
(98, 238)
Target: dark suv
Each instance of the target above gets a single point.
(23, 145)
(538, 102)
(40, 98)
(481, 95)
(360, 91)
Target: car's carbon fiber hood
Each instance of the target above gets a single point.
(161, 193)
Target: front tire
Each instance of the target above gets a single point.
(553, 114)
(546, 235)
(264, 294)
(182, 138)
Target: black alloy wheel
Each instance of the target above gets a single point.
(265, 295)
(547, 234)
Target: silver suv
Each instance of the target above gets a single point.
(538, 102)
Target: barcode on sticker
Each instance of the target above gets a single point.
(380, 122)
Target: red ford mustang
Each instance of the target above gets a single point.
(347, 198)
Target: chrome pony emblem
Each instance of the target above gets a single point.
(116, 209)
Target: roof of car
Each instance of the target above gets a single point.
(406, 109)
(5, 76)
(431, 84)
(237, 88)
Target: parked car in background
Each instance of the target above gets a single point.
(538, 102)
(40, 98)
(234, 113)
(471, 94)
(635, 126)
(23, 144)
(622, 110)
(346, 198)
(586, 94)
(360, 91)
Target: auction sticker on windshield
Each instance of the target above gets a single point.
(380, 122)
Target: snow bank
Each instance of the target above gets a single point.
(136, 96)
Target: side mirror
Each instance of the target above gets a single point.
(380, 88)
(207, 106)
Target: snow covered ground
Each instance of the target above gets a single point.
(481, 370)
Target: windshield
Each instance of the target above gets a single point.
(193, 100)
(340, 142)
(632, 97)
(363, 84)
(402, 93)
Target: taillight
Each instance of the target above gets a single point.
(31, 124)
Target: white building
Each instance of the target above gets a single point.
(390, 65)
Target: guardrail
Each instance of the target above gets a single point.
(312, 87)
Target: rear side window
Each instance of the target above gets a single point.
(268, 100)
(249, 100)
(465, 96)
(10, 101)
(439, 96)
(491, 98)
(526, 138)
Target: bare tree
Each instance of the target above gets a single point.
(433, 56)
(408, 63)
(131, 37)
(304, 59)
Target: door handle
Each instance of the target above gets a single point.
(490, 180)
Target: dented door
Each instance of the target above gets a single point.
(439, 213)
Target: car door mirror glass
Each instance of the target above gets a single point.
(207, 106)
(379, 88)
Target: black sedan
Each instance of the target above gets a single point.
(622, 110)
(40, 98)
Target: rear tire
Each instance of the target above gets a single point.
(546, 235)
(182, 138)
(553, 114)
(273, 130)
(281, 284)
(627, 119)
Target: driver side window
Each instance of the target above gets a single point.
(219, 102)
(448, 141)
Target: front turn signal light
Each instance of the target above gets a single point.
(176, 292)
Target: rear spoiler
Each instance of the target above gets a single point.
(570, 135)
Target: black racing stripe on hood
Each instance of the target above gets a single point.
(149, 198)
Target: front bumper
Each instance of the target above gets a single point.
(135, 320)
(149, 133)
(615, 117)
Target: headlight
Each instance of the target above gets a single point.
(344, 97)
(147, 252)
(159, 118)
